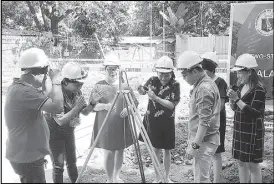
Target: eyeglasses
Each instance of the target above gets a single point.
(184, 72)
(75, 82)
(112, 69)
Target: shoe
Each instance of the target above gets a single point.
(156, 181)
(119, 180)
(170, 181)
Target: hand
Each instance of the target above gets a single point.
(190, 152)
(232, 94)
(151, 95)
(55, 76)
(80, 103)
(108, 106)
(124, 113)
(141, 90)
(96, 96)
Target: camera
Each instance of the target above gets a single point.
(234, 87)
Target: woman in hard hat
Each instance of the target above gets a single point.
(62, 126)
(248, 103)
(164, 94)
(209, 64)
(115, 135)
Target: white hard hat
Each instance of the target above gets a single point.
(188, 59)
(33, 58)
(73, 71)
(164, 65)
(212, 56)
(245, 61)
(111, 60)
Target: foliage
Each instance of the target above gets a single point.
(78, 21)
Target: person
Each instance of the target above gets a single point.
(204, 115)
(28, 133)
(248, 103)
(116, 134)
(62, 125)
(164, 94)
(209, 64)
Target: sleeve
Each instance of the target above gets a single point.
(223, 89)
(256, 108)
(175, 94)
(149, 82)
(33, 99)
(204, 105)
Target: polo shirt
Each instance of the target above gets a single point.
(28, 133)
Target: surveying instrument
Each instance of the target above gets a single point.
(134, 118)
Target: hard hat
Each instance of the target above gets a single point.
(73, 71)
(164, 65)
(245, 61)
(111, 60)
(33, 58)
(212, 56)
(188, 59)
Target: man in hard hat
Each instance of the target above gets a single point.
(164, 94)
(62, 126)
(204, 114)
(209, 64)
(28, 133)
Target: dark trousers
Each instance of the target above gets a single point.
(63, 149)
(32, 172)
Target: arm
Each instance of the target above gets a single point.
(54, 104)
(174, 97)
(204, 103)
(65, 119)
(165, 103)
(257, 103)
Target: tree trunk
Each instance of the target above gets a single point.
(32, 10)
(46, 25)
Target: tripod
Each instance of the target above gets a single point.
(134, 118)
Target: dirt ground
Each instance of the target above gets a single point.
(181, 171)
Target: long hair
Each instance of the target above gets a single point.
(254, 80)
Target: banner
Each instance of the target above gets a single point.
(252, 32)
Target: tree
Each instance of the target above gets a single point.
(74, 20)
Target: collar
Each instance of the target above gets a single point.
(199, 79)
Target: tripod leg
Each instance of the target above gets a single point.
(136, 144)
(97, 138)
(146, 138)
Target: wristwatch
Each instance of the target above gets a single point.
(195, 145)
(237, 100)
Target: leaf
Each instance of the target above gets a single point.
(173, 18)
(164, 16)
(180, 11)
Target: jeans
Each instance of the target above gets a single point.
(32, 172)
(63, 149)
(202, 162)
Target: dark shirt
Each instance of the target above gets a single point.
(28, 133)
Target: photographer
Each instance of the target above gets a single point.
(28, 137)
(248, 102)
(62, 126)
(164, 94)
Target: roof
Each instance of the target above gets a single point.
(144, 40)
